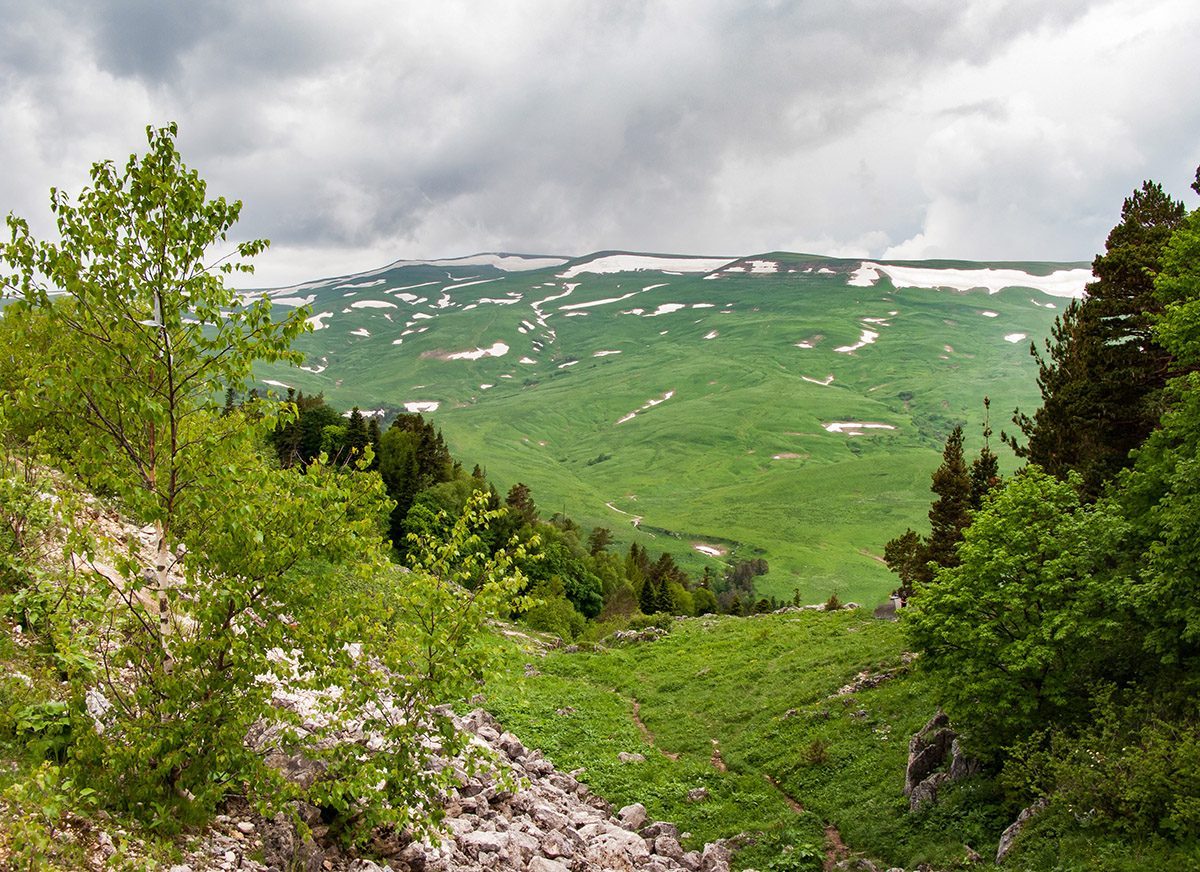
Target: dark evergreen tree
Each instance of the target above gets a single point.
(985, 470)
(357, 437)
(520, 500)
(951, 511)
(906, 556)
(648, 597)
(735, 606)
(1103, 373)
(599, 540)
(375, 437)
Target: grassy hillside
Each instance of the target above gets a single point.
(703, 403)
(750, 710)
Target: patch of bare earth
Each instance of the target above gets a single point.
(716, 761)
(645, 731)
(835, 848)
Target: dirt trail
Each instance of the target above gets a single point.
(645, 731)
(835, 849)
(717, 762)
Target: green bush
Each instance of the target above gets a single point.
(1140, 780)
(558, 616)
(659, 619)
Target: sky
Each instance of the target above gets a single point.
(366, 131)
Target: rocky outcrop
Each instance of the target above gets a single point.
(928, 751)
(1009, 836)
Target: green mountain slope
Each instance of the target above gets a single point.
(784, 405)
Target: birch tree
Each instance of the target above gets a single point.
(151, 335)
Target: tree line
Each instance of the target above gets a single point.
(579, 581)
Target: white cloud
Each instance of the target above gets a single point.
(362, 133)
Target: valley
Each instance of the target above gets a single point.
(781, 406)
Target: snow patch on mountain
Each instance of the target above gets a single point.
(498, 349)
(868, 336)
(649, 405)
(615, 263)
(1060, 283)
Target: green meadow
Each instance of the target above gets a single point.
(698, 407)
(749, 709)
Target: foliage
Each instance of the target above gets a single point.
(426, 640)
(1127, 772)
(38, 805)
(1016, 633)
(1177, 288)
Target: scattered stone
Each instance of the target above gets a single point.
(698, 794)
(625, 757)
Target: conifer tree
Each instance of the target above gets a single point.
(951, 511)
(374, 437)
(1102, 373)
(599, 540)
(735, 606)
(985, 469)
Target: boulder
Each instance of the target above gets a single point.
(632, 816)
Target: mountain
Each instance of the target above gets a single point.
(787, 406)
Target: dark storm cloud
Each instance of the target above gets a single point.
(426, 129)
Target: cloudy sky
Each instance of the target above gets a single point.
(366, 131)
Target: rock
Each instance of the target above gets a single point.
(659, 828)
(691, 861)
(245, 827)
(926, 750)
(697, 795)
(1009, 836)
(541, 864)
(962, 766)
(885, 611)
(107, 848)
(557, 845)
(477, 843)
(309, 857)
(927, 790)
(632, 816)
(668, 846)
(366, 866)
(715, 858)
(511, 746)
(626, 757)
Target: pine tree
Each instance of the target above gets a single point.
(1103, 373)
(951, 511)
(519, 499)
(648, 598)
(985, 470)
(357, 437)
(599, 540)
(735, 606)
(375, 437)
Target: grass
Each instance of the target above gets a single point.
(762, 692)
(702, 466)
